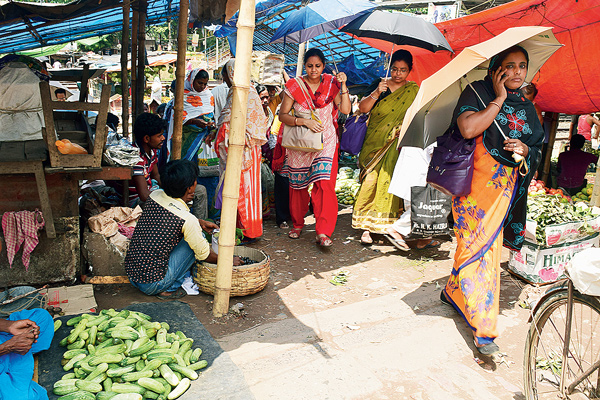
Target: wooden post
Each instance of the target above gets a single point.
(124, 73)
(179, 77)
(231, 188)
(141, 64)
(550, 146)
(134, 44)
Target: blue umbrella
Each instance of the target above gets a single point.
(319, 18)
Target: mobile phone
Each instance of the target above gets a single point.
(503, 76)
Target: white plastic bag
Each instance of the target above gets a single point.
(584, 270)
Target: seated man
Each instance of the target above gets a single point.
(21, 335)
(572, 166)
(168, 239)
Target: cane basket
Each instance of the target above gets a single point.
(245, 279)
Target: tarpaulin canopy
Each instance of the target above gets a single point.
(568, 83)
(26, 26)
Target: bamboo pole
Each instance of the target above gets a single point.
(141, 64)
(231, 187)
(180, 77)
(124, 73)
(134, 44)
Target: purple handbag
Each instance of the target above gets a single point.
(353, 136)
(451, 166)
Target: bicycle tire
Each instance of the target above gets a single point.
(542, 365)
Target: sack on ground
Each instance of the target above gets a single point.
(429, 209)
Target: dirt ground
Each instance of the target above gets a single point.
(391, 299)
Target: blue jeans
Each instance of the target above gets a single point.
(180, 262)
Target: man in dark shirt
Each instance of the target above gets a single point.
(572, 165)
(168, 239)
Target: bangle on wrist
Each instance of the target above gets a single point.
(373, 97)
(344, 92)
(496, 104)
(295, 121)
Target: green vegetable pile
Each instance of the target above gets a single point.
(125, 356)
(550, 210)
(347, 185)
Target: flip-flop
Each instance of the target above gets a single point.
(444, 299)
(397, 243)
(488, 349)
(430, 245)
(178, 294)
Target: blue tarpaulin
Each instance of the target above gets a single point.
(26, 26)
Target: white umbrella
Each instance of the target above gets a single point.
(431, 113)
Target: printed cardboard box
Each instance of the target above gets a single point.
(546, 265)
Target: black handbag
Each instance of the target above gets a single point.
(452, 163)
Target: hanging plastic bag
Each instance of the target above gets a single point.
(429, 209)
(208, 161)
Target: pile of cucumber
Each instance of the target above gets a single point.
(125, 356)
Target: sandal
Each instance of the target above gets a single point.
(284, 225)
(399, 243)
(178, 294)
(432, 244)
(366, 238)
(324, 240)
(444, 299)
(295, 233)
(487, 349)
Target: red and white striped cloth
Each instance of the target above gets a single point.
(21, 228)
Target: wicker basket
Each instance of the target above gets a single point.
(245, 280)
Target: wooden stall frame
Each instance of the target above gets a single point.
(36, 168)
(49, 132)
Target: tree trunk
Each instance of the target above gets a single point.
(180, 77)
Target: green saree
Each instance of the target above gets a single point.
(375, 209)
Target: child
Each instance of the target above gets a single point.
(168, 239)
(148, 131)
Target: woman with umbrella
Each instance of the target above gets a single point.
(502, 122)
(375, 209)
(328, 94)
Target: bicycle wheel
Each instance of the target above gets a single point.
(545, 342)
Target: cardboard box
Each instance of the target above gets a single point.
(539, 265)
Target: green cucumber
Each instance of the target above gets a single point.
(100, 368)
(134, 376)
(114, 372)
(185, 371)
(151, 384)
(73, 360)
(127, 388)
(168, 374)
(106, 358)
(72, 353)
(179, 389)
(57, 325)
(79, 395)
(89, 386)
(74, 321)
(198, 365)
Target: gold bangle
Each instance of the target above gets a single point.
(344, 92)
(374, 98)
(496, 104)
(295, 121)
